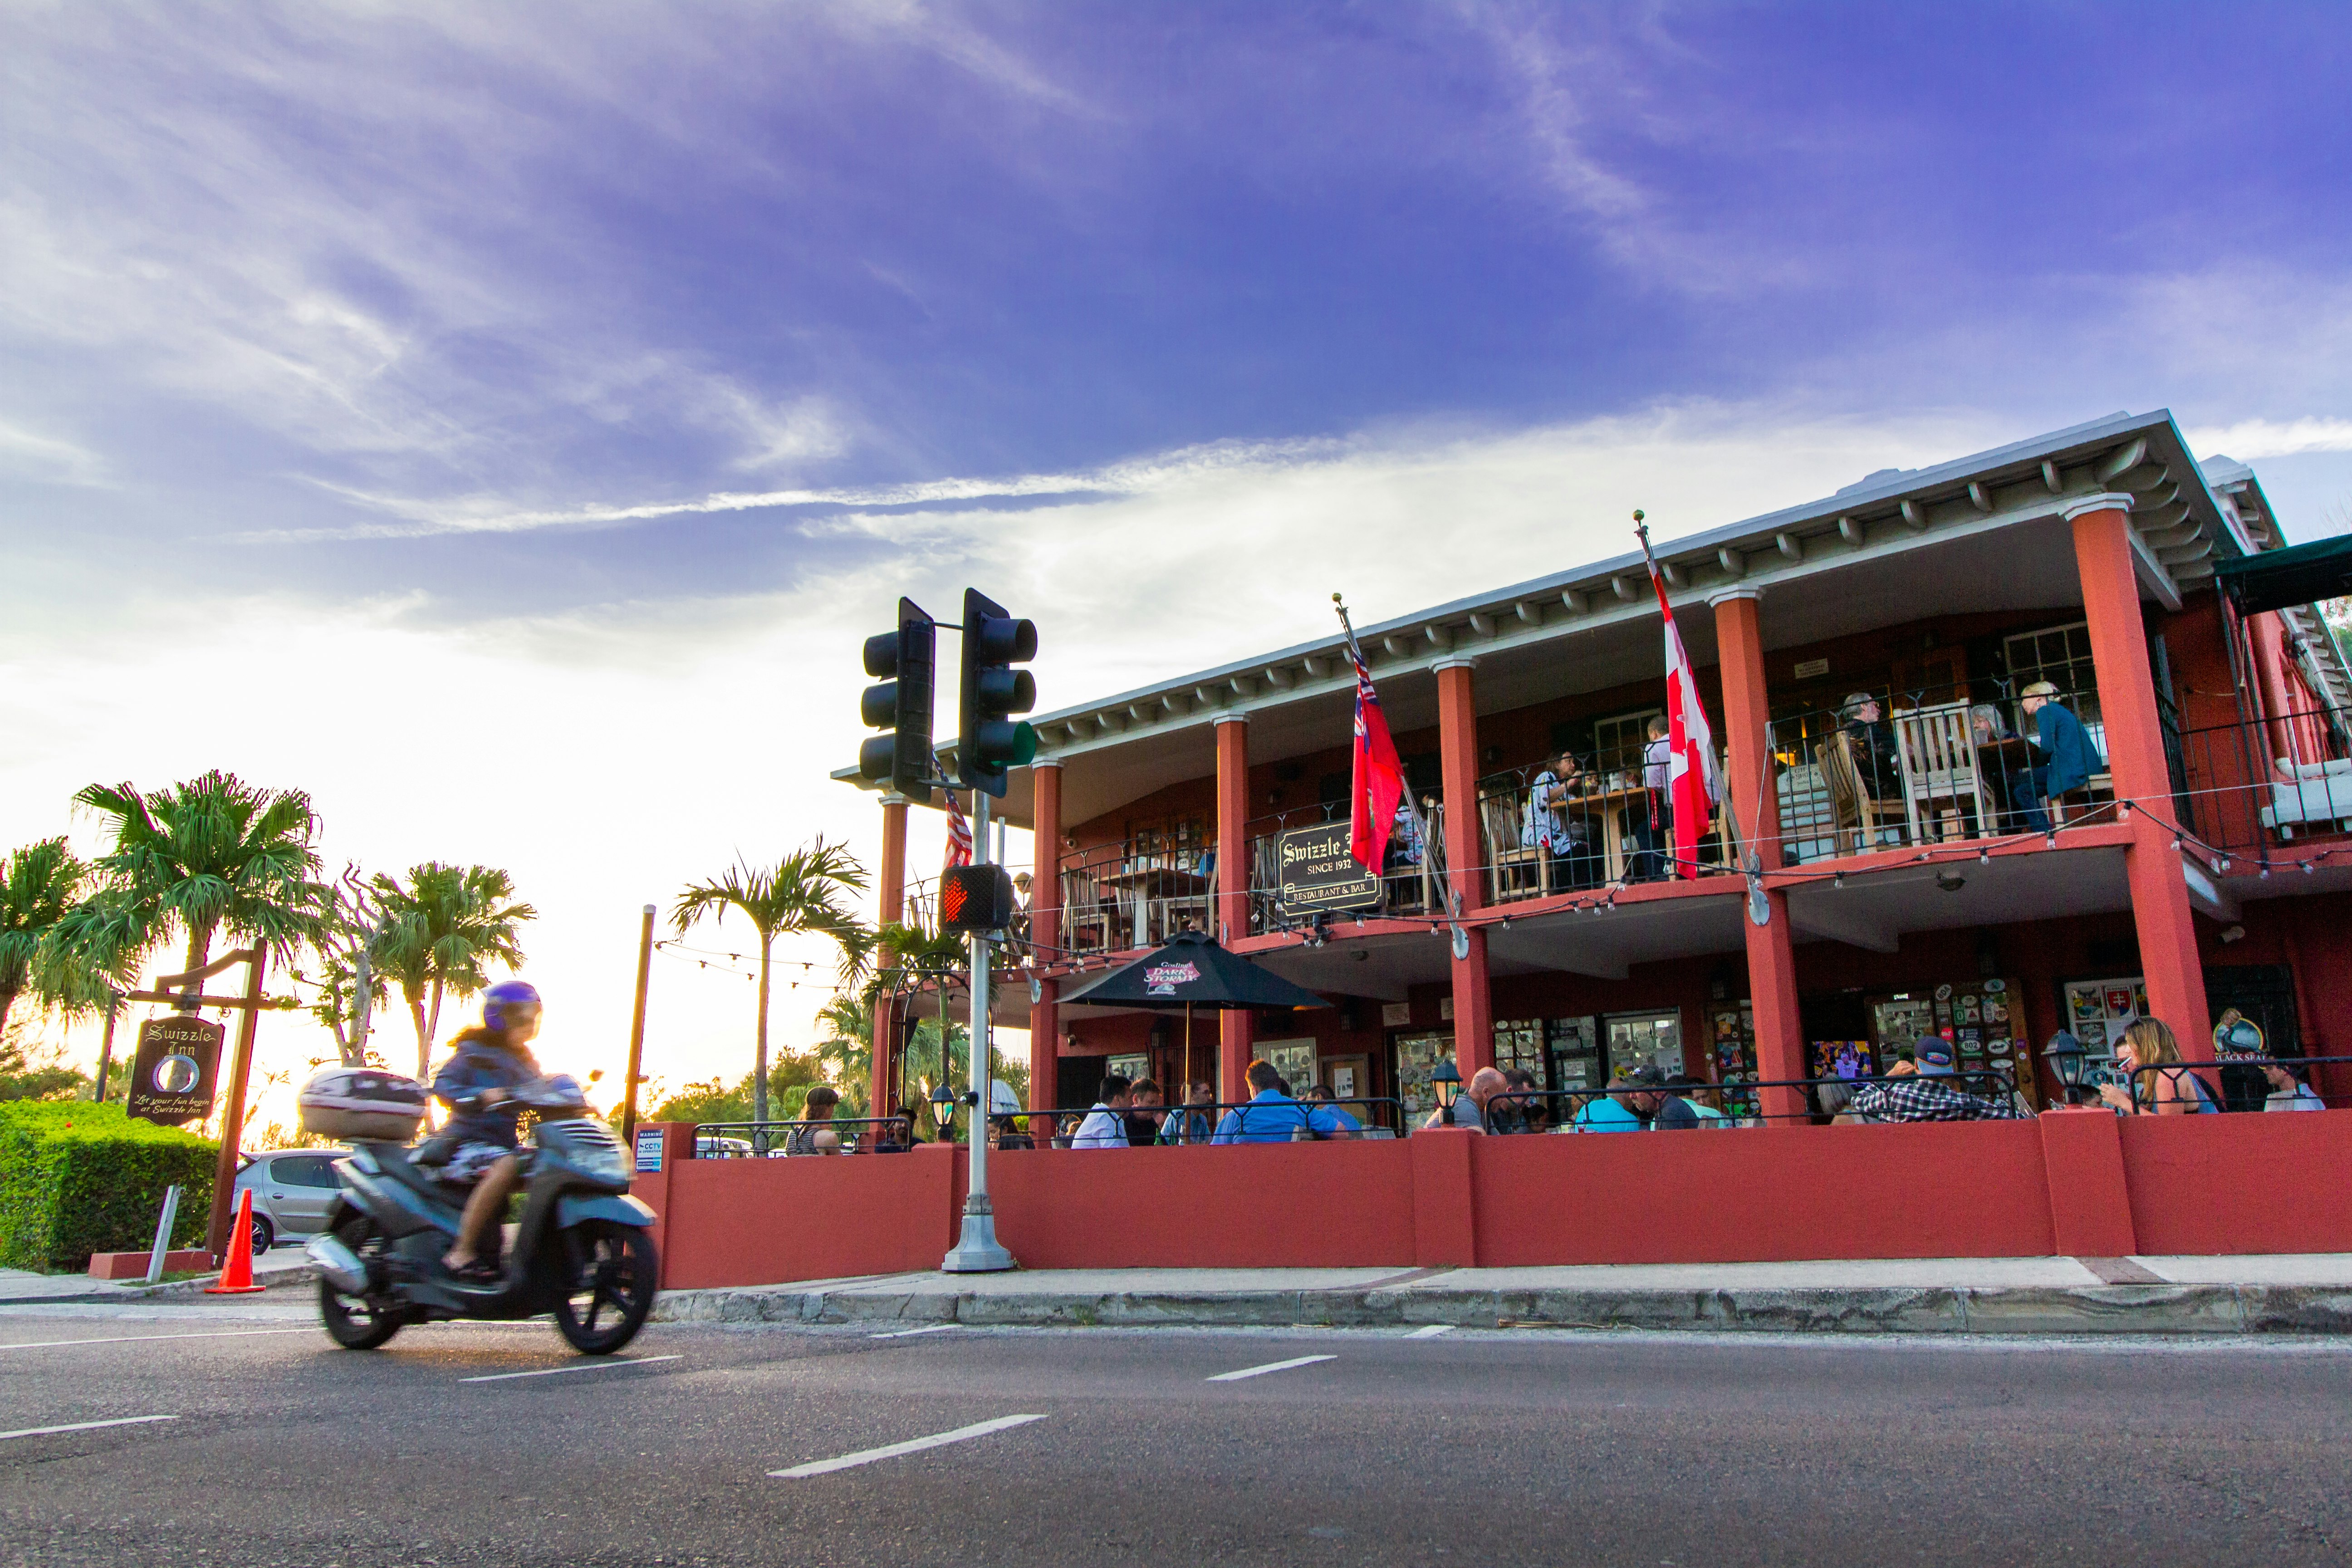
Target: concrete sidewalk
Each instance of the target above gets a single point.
(2234, 1295)
(22, 1287)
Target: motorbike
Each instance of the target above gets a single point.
(581, 1252)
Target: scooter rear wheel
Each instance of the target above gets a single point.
(353, 1321)
(609, 1287)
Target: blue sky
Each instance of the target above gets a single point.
(595, 376)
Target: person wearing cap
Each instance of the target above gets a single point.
(1656, 1102)
(1926, 1093)
(2065, 758)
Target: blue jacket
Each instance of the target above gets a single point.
(2071, 757)
(478, 1061)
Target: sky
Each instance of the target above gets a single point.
(506, 422)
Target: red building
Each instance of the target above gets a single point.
(1860, 893)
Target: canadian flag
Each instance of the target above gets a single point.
(1694, 778)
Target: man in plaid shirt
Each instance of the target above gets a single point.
(1924, 1096)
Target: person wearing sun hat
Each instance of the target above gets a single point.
(2063, 757)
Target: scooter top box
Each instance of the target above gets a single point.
(366, 1103)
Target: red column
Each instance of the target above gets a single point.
(1771, 965)
(2159, 892)
(1045, 931)
(893, 887)
(1238, 1036)
(1466, 858)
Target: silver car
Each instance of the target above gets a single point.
(291, 1189)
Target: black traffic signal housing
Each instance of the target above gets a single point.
(907, 659)
(975, 898)
(989, 742)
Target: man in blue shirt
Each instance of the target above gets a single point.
(2066, 758)
(1271, 1116)
(1320, 1104)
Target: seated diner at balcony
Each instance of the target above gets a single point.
(1469, 1107)
(1875, 754)
(1554, 825)
(1610, 1112)
(1654, 815)
(814, 1134)
(2063, 757)
(1925, 1093)
(1338, 1123)
(2158, 1082)
(2003, 759)
(1273, 1117)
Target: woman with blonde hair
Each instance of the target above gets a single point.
(2162, 1083)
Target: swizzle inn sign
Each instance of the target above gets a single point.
(172, 1076)
(1317, 870)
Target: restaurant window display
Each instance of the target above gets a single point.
(2097, 1012)
(1131, 1067)
(1412, 1057)
(1519, 1043)
(1577, 1061)
(1983, 1021)
(1293, 1059)
(1731, 1053)
(1634, 1039)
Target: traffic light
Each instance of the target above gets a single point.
(975, 898)
(988, 741)
(907, 659)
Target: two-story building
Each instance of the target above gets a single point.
(1881, 871)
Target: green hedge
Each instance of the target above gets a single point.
(78, 1178)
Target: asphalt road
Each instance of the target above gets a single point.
(1468, 1448)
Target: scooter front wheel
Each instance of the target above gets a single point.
(609, 1285)
(356, 1322)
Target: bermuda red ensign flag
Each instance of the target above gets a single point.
(959, 834)
(1380, 777)
(1694, 780)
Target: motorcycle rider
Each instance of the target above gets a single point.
(487, 1064)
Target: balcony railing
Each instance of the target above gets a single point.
(2266, 784)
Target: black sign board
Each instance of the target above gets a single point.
(1317, 869)
(172, 1078)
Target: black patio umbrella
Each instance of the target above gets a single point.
(1192, 971)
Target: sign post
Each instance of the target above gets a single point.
(977, 1250)
(256, 958)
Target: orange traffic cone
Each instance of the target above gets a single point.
(237, 1273)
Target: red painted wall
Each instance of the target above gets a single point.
(2169, 1184)
(1260, 1205)
(2239, 1184)
(1771, 1194)
(744, 1222)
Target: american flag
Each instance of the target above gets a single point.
(958, 835)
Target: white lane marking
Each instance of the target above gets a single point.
(912, 1446)
(575, 1366)
(910, 1333)
(83, 1426)
(1430, 1332)
(135, 1338)
(1270, 1366)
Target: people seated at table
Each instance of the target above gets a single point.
(1197, 1121)
(2157, 1081)
(814, 1134)
(2063, 757)
(1338, 1123)
(2000, 763)
(1469, 1107)
(1553, 824)
(1877, 757)
(1925, 1092)
(1144, 1114)
(1106, 1124)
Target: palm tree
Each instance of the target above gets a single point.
(847, 1048)
(803, 893)
(38, 886)
(211, 854)
(439, 936)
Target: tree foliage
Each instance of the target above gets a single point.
(39, 885)
(439, 935)
(802, 893)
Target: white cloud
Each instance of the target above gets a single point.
(47, 460)
(2250, 438)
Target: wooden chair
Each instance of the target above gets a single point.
(1086, 924)
(1861, 817)
(1500, 815)
(1941, 788)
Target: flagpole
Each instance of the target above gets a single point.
(1751, 861)
(1420, 823)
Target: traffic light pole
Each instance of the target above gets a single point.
(977, 1250)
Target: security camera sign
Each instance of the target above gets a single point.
(171, 1076)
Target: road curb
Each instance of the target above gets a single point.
(177, 1290)
(2085, 1310)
